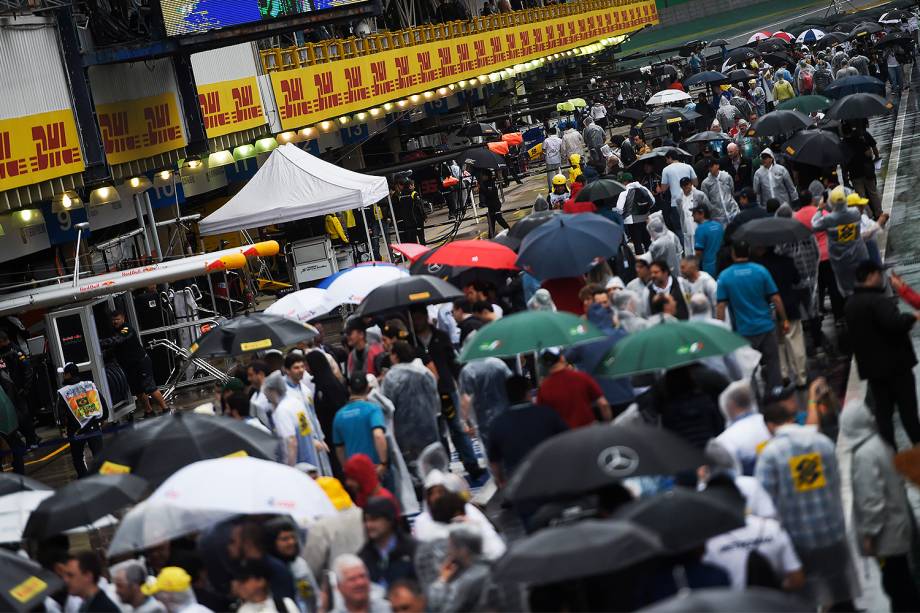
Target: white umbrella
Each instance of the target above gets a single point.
(809, 36)
(668, 96)
(151, 523)
(885, 19)
(352, 285)
(246, 486)
(302, 305)
(15, 510)
(759, 36)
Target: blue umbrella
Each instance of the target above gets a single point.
(708, 76)
(859, 84)
(566, 245)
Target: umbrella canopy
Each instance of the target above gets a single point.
(854, 85)
(740, 75)
(82, 502)
(771, 45)
(719, 42)
(15, 509)
(741, 55)
(669, 345)
(665, 70)
(708, 137)
(474, 129)
(895, 16)
(819, 148)
(578, 103)
(13, 482)
(630, 115)
(668, 96)
(247, 486)
(665, 116)
(859, 106)
(599, 190)
(771, 231)
(526, 332)
(865, 29)
(474, 254)
(758, 36)
(830, 39)
(809, 36)
(410, 250)
(158, 447)
(252, 332)
(351, 285)
(565, 107)
(727, 599)
(656, 157)
(805, 104)
(24, 585)
(460, 276)
(582, 460)
(784, 36)
(776, 123)
(484, 159)
(526, 225)
(154, 522)
(894, 39)
(407, 292)
(566, 245)
(707, 76)
(571, 551)
(302, 305)
(703, 515)
(778, 58)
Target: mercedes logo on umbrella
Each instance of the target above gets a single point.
(618, 461)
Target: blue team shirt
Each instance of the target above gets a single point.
(708, 239)
(747, 287)
(353, 427)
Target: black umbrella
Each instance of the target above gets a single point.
(703, 515)
(854, 85)
(719, 42)
(771, 231)
(567, 245)
(772, 44)
(407, 292)
(740, 75)
(830, 39)
(582, 460)
(10, 483)
(599, 190)
(483, 158)
(844, 27)
(894, 39)
(776, 123)
(898, 14)
(776, 58)
(583, 549)
(667, 115)
(865, 29)
(819, 148)
(656, 157)
(525, 225)
(158, 447)
(728, 599)
(81, 502)
(24, 585)
(859, 106)
(707, 76)
(474, 129)
(630, 115)
(741, 55)
(708, 137)
(666, 70)
(689, 47)
(252, 332)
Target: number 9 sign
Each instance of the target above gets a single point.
(64, 221)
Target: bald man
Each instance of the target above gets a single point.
(739, 167)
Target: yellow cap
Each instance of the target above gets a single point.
(574, 159)
(337, 494)
(838, 194)
(170, 579)
(855, 199)
(559, 180)
(725, 88)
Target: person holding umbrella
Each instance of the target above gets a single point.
(862, 153)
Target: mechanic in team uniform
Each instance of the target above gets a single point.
(132, 358)
(16, 364)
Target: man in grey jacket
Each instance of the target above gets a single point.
(773, 181)
(881, 514)
(594, 139)
(719, 187)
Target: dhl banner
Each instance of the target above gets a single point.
(323, 91)
(135, 129)
(38, 147)
(230, 106)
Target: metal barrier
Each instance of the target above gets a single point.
(308, 54)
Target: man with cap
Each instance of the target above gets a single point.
(845, 245)
(719, 189)
(389, 552)
(173, 588)
(334, 535)
(670, 181)
(573, 394)
(363, 352)
(773, 181)
(359, 427)
(82, 409)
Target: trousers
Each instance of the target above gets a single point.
(899, 390)
(792, 356)
(768, 347)
(898, 583)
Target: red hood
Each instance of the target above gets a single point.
(361, 469)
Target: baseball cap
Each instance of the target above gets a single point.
(378, 506)
(855, 199)
(838, 194)
(170, 579)
(550, 355)
(685, 181)
(746, 192)
(396, 329)
(70, 369)
(778, 393)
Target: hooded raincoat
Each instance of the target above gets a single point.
(414, 392)
(666, 246)
(845, 245)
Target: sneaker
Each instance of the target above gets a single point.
(479, 480)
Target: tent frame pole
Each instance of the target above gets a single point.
(393, 216)
(367, 231)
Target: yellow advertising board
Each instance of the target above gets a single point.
(135, 129)
(38, 147)
(322, 91)
(231, 106)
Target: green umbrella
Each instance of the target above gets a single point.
(806, 104)
(668, 345)
(528, 331)
(565, 107)
(578, 102)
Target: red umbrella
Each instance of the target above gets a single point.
(763, 35)
(475, 254)
(786, 36)
(410, 250)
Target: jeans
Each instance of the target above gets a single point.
(894, 75)
(78, 443)
(449, 412)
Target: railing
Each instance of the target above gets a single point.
(330, 50)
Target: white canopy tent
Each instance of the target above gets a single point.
(291, 185)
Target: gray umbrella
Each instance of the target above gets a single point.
(725, 599)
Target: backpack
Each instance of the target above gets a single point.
(807, 83)
(637, 202)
